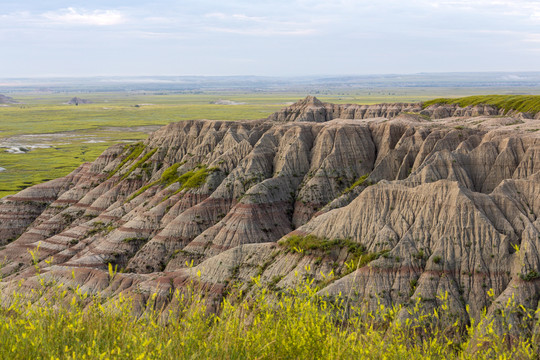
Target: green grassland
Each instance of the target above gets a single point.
(84, 131)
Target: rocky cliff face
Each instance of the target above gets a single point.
(390, 202)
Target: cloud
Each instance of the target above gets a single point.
(263, 31)
(223, 16)
(207, 37)
(153, 35)
(535, 38)
(242, 24)
(523, 8)
(72, 16)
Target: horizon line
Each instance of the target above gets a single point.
(52, 76)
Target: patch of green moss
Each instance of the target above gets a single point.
(358, 257)
(365, 259)
(312, 242)
(139, 163)
(170, 175)
(189, 180)
(100, 227)
(141, 190)
(134, 239)
(362, 180)
(134, 151)
(194, 178)
(531, 275)
(197, 179)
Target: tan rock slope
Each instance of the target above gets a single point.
(6, 99)
(383, 203)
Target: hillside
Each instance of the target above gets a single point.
(6, 99)
(527, 105)
(390, 202)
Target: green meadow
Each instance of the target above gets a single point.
(65, 136)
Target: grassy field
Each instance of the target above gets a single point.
(64, 136)
(293, 324)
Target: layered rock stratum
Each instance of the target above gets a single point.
(399, 202)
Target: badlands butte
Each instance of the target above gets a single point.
(380, 203)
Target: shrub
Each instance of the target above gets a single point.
(531, 275)
(361, 181)
(357, 258)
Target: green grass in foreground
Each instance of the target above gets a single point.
(522, 103)
(295, 324)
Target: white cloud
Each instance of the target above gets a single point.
(525, 8)
(216, 15)
(195, 36)
(242, 24)
(532, 38)
(152, 35)
(263, 31)
(73, 16)
(249, 18)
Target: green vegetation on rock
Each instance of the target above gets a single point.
(190, 180)
(521, 103)
(312, 242)
(361, 181)
(143, 189)
(358, 257)
(134, 151)
(139, 163)
(170, 175)
(194, 178)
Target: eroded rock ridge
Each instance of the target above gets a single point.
(396, 201)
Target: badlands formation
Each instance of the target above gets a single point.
(381, 203)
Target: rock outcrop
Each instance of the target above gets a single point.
(6, 99)
(77, 101)
(399, 202)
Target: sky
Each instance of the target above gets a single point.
(268, 38)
